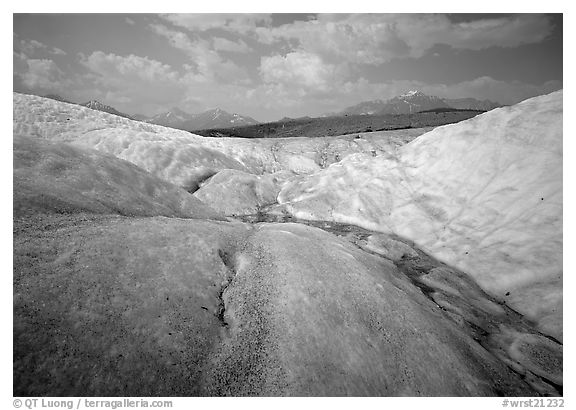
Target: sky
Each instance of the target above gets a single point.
(270, 66)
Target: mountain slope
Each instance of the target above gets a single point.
(215, 118)
(416, 101)
(173, 118)
(471, 104)
(98, 106)
(411, 102)
(363, 108)
(139, 117)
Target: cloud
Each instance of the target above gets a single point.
(510, 31)
(205, 61)
(238, 23)
(222, 44)
(132, 77)
(377, 38)
(129, 21)
(121, 80)
(43, 74)
(299, 69)
(32, 47)
(112, 66)
(177, 39)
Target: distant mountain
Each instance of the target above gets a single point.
(450, 109)
(97, 105)
(416, 101)
(471, 104)
(364, 108)
(412, 102)
(139, 117)
(215, 118)
(173, 118)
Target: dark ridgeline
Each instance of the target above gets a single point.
(341, 125)
(411, 110)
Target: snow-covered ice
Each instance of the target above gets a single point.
(180, 157)
(111, 282)
(484, 195)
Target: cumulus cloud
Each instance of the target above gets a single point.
(205, 61)
(306, 67)
(121, 80)
(177, 39)
(239, 23)
(112, 66)
(43, 74)
(475, 35)
(299, 69)
(377, 38)
(132, 77)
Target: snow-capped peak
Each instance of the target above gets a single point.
(94, 104)
(412, 93)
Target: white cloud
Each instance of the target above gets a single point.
(32, 47)
(139, 79)
(112, 66)
(299, 69)
(376, 38)
(43, 74)
(129, 21)
(476, 35)
(223, 44)
(239, 23)
(205, 61)
(177, 39)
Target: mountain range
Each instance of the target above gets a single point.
(175, 117)
(413, 102)
(215, 118)
(97, 105)
(408, 103)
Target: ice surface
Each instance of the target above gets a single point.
(58, 177)
(145, 303)
(183, 158)
(106, 305)
(239, 193)
(327, 319)
(484, 195)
